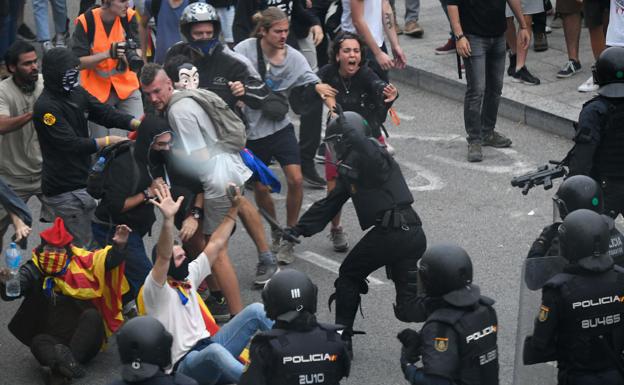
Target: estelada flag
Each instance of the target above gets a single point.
(86, 278)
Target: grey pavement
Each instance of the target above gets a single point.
(550, 106)
(470, 204)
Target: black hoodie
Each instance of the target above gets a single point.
(61, 123)
(122, 181)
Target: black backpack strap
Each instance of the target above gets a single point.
(261, 65)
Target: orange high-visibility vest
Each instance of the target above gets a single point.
(98, 81)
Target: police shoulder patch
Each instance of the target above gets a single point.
(440, 344)
(49, 119)
(543, 313)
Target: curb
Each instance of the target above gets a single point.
(508, 108)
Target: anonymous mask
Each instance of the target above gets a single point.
(188, 77)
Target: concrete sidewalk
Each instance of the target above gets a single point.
(552, 106)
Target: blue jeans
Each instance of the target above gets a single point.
(217, 363)
(484, 78)
(412, 10)
(8, 28)
(138, 265)
(59, 14)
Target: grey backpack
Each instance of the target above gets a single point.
(230, 129)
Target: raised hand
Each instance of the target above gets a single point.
(122, 232)
(167, 206)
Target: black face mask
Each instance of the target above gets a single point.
(157, 158)
(178, 273)
(71, 79)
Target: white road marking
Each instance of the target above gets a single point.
(427, 138)
(331, 265)
(403, 116)
(518, 167)
(435, 182)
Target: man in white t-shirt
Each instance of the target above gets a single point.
(169, 295)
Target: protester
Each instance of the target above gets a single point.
(129, 183)
(169, 295)
(20, 163)
(270, 133)
(72, 300)
(61, 124)
(59, 15)
(357, 88)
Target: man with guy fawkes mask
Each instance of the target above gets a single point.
(72, 300)
(20, 163)
(129, 183)
(60, 117)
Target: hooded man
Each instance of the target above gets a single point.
(129, 183)
(61, 124)
(72, 300)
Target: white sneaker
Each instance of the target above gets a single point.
(588, 86)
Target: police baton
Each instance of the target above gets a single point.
(276, 226)
(459, 69)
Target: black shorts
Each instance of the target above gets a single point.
(281, 145)
(594, 11)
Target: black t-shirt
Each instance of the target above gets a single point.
(482, 17)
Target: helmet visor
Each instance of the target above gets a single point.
(336, 146)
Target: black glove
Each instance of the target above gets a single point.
(291, 234)
(411, 350)
(542, 243)
(117, 49)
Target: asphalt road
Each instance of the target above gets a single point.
(470, 204)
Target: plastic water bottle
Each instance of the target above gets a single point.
(99, 165)
(13, 260)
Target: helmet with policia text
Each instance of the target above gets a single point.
(446, 271)
(335, 134)
(584, 237)
(144, 348)
(199, 13)
(608, 72)
(578, 192)
(287, 294)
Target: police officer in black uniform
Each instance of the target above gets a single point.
(580, 321)
(298, 350)
(145, 351)
(599, 148)
(577, 192)
(373, 180)
(457, 343)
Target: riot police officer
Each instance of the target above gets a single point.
(145, 351)
(458, 340)
(298, 350)
(580, 318)
(373, 180)
(576, 192)
(599, 140)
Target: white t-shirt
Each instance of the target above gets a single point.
(615, 31)
(184, 322)
(372, 16)
(195, 130)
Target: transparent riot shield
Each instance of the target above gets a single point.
(535, 273)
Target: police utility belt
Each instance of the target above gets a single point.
(398, 218)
